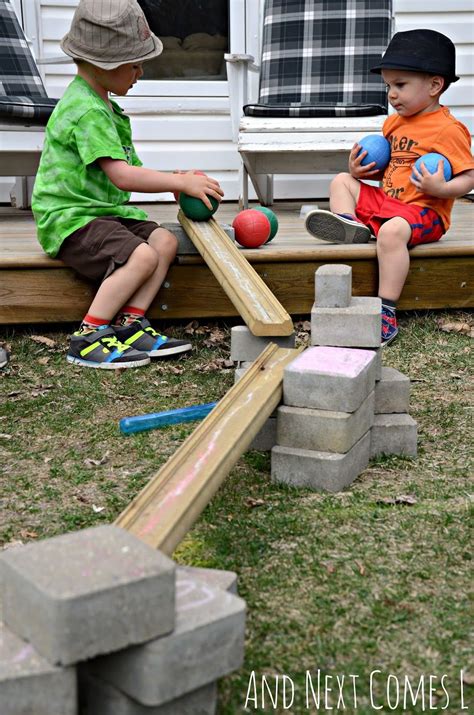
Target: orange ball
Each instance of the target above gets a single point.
(252, 228)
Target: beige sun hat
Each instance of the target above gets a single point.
(110, 33)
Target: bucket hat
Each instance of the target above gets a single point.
(110, 33)
(420, 51)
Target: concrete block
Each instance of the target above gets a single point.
(246, 347)
(333, 286)
(394, 434)
(359, 325)
(392, 392)
(29, 685)
(328, 378)
(185, 245)
(207, 643)
(378, 352)
(100, 698)
(326, 471)
(216, 578)
(89, 592)
(323, 430)
(267, 437)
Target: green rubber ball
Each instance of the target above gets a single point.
(271, 216)
(196, 209)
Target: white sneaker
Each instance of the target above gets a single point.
(336, 228)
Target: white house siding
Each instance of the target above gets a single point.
(180, 131)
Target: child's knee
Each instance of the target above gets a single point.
(144, 260)
(341, 179)
(164, 243)
(394, 232)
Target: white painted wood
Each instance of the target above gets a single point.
(190, 121)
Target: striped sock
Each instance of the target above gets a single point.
(90, 323)
(127, 315)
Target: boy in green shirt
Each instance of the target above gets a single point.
(88, 170)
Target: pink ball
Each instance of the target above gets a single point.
(252, 228)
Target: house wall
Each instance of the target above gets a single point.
(179, 126)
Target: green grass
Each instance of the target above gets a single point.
(344, 584)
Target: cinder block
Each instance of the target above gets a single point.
(246, 347)
(359, 325)
(207, 643)
(185, 245)
(267, 437)
(323, 430)
(328, 378)
(392, 392)
(333, 286)
(89, 592)
(29, 685)
(327, 471)
(216, 578)
(378, 352)
(394, 434)
(100, 698)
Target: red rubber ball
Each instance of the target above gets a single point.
(252, 228)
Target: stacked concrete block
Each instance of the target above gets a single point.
(72, 601)
(244, 349)
(29, 685)
(323, 431)
(86, 593)
(338, 318)
(394, 431)
(207, 643)
(340, 405)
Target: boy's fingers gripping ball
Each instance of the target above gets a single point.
(378, 150)
(196, 209)
(271, 216)
(252, 228)
(176, 193)
(431, 162)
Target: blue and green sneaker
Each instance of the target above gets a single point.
(102, 349)
(141, 336)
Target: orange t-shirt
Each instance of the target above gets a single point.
(412, 137)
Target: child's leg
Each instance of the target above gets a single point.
(340, 225)
(393, 257)
(394, 262)
(139, 279)
(344, 194)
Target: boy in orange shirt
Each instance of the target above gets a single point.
(412, 207)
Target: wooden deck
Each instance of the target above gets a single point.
(36, 289)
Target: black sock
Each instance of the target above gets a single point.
(388, 303)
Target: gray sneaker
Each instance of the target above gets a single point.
(336, 228)
(102, 349)
(3, 357)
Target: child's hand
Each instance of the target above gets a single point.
(200, 186)
(431, 184)
(356, 169)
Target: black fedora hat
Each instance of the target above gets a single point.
(420, 51)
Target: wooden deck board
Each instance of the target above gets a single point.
(35, 288)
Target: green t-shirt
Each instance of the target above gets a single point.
(70, 188)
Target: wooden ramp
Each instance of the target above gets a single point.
(169, 505)
(254, 301)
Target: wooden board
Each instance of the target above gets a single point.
(168, 506)
(252, 298)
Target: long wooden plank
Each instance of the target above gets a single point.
(169, 505)
(262, 312)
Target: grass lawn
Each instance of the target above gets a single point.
(347, 584)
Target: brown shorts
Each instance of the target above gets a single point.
(104, 244)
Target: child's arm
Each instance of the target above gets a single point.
(140, 179)
(436, 185)
(359, 172)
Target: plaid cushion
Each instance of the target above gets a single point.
(22, 93)
(317, 55)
